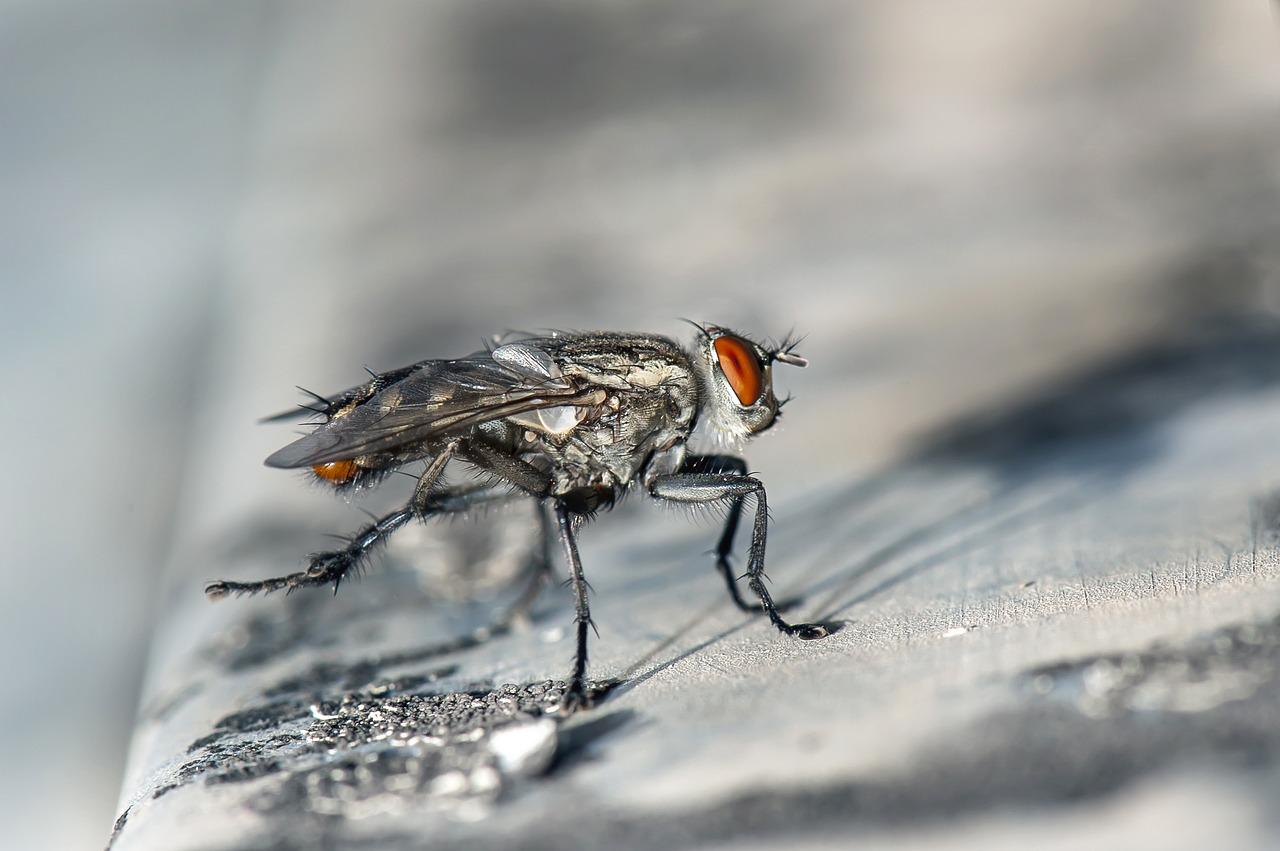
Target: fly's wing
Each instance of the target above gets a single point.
(439, 397)
(327, 406)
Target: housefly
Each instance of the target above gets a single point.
(571, 420)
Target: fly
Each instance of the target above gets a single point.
(571, 420)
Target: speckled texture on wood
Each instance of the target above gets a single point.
(1044, 618)
(1032, 473)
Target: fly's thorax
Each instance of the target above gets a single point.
(644, 403)
(645, 384)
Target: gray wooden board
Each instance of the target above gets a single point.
(1031, 470)
(1024, 626)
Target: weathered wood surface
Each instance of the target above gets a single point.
(1073, 603)
(1031, 473)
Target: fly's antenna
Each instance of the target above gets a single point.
(785, 351)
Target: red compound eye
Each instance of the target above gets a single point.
(739, 363)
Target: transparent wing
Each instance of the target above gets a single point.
(440, 396)
(327, 406)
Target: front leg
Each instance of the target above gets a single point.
(724, 547)
(706, 488)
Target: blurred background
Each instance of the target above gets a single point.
(206, 203)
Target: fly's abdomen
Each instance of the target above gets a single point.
(337, 472)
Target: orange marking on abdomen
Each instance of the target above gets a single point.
(338, 472)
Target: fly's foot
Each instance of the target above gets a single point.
(322, 568)
(222, 588)
(217, 590)
(808, 631)
(585, 696)
(575, 699)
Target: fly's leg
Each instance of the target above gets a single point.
(323, 568)
(535, 483)
(333, 566)
(336, 565)
(724, 547)
(507, 467)
(576, 697)
(703, 488)
(540, 571)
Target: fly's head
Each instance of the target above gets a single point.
(736, 375)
